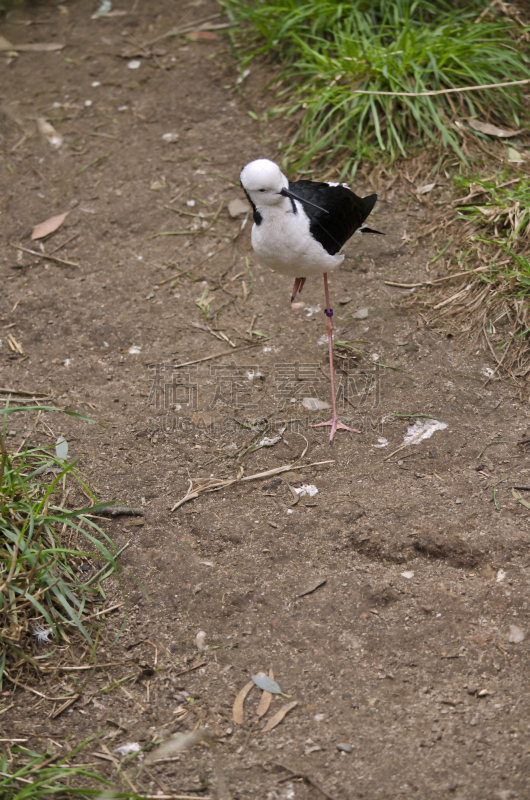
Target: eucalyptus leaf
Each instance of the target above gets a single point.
(265, 683)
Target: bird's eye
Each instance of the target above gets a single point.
(262, 190)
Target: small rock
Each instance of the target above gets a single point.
(200, 640)
(362, 313)
(422, 475)
(458, 502)
(407, 575)
(238, 207)
(344, 747)
(345, 300)
(483, 693)
(170, 138)
(516, 634)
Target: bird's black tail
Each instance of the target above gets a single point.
(368, 204)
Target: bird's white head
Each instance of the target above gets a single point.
(263, 181)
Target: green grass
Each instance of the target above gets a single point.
(28, 775)
(40, 586)
(499, 204)
(329, 49)
(498, 207)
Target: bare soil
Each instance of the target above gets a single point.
(402, 651)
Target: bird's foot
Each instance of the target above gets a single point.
(336, 425)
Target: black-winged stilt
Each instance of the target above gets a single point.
(298, 230)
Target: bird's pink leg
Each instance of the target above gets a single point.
(298, 286)
(334, 423)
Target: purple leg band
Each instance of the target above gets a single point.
(328, 313)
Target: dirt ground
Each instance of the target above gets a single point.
(385, 602)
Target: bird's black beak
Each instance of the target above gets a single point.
(287, 193)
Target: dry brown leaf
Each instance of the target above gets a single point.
(425, 189)
(265, 700)
(4, 44)
(492, 130)
(48, 226)
(277, 718)
(237, 709)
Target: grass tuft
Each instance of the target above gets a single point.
(42, 597)
(328, 50)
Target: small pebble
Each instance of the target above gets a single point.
(344, 748)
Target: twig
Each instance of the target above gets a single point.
(444, 91)
(411, 441)
(122, 511)
(22, 392)
(306, 777)
(190, 669)
(215, 486)
(43, 255)
(64, 706)
(86, 666)
(438, 280)
(218, 355)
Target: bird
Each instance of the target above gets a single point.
(299, 229)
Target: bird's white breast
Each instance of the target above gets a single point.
(283, 242)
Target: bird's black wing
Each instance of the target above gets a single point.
(346, 212)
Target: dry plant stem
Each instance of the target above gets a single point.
(438, 280)
(445, 91)
(22, 392)
(215, 486)
(218, 355)
(44, 255)
(306, 777)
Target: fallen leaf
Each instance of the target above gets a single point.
(48, 131)
(48, 226)
(277, 718)
(204, 35)
(237, 709)
(425, 189)
(314, 404)
(520, 499)
(492, 130)
(61, 449)
(238, 208)
(5, 45)
(514, 156)
(265, 700)
(266, 684)
(158, 184)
